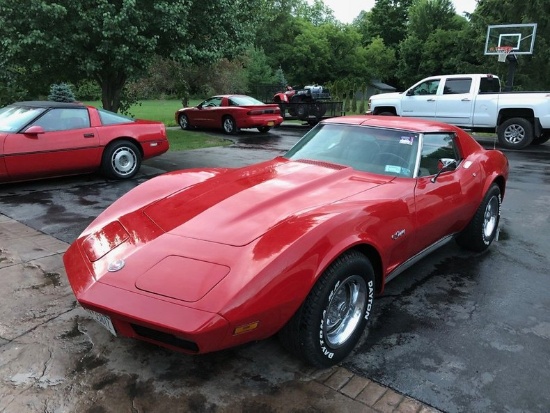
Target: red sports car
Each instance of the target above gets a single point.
(201, 260)
(230, 113)
(45, 139)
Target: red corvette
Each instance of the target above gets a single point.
(230, 113)
(201, 260)
(46, 139)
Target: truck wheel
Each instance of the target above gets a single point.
(331, 320)
(515, 133)
(386, 114)
(541, 139)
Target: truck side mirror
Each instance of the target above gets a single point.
(409, 92)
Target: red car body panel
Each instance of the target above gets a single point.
(26, 156)
(266, 115)
(208, 254)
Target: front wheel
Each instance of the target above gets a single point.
(483, 228)
(515, 133)
(184, 122)
(121, 160)
(330, 322)
(229, 125)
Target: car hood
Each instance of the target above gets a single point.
(389, 95)
(238, 206)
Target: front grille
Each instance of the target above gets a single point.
(165, 338)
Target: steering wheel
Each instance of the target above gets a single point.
(387, 156)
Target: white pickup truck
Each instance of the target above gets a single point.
(473, 102)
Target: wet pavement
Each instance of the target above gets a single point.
(458, 332)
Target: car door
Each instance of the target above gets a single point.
(67, 145)
(444, 206)
(456, 103)
(207, 113)
(420, 101)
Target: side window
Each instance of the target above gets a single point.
(434, 147)
(457, 86)
(64, 119)
(428, 87)
(489, 85)
(212, 102)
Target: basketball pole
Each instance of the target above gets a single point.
(512, 66)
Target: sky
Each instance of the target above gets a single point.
(347, 10)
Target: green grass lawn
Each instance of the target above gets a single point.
(164, 111)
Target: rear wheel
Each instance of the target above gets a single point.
(121, 160)
(330, 322)
(229, 125)
(264, 129)
(515, 133)
(483, 228)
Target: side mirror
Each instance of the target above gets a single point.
(34, 130)
(409, 92)
(443, 165)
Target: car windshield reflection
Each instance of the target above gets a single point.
(14, 118)
(368, 149)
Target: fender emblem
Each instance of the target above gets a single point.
(398, 234)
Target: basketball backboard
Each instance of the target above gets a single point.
(519, 37)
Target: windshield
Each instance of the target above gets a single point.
(14, 118)
(377, 150)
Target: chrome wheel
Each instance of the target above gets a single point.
(514, 134)
(345, 311)
(490, 220)
(184, 122)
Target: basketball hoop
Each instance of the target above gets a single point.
(503, 52)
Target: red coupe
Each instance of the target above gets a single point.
(230, 113)
(206, 259)
(45, 139)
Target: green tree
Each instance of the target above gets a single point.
(61, 92)
(388, 20)
(113, 41)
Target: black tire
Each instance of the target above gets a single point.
(264, 129)
(229, 125)
(282, 110)
(515, 133)
(483, 228)
(302, 111)
(386, 113)
(317, 333)
(121, 160)
(541, 139)
(183, 121)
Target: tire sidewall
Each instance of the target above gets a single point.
(225, 122)
(183, 122)
(321, 352)
(107, 161)
(521, 123)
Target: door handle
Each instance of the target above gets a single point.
(466, 99)
(89, 135)
(431, 100)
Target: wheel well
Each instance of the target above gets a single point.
(385, 109)
(506, 114)
(374, 257)
(127, 138)
(501, 184)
